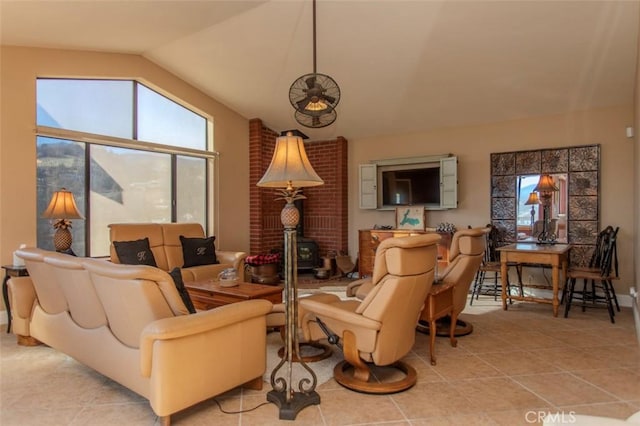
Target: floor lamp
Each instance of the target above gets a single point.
(291, 170)
(545, 188)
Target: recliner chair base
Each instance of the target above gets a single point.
(343, 374)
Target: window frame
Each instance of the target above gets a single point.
(209, 154)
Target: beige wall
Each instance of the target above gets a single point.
(472, 146)
(19, 68)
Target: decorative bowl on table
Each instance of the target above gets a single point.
(228, 278)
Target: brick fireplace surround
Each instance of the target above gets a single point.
(325, 209)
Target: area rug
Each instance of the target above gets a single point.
(322, 369)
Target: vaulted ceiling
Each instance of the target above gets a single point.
(402, 66)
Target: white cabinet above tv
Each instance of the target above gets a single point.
(429, 181)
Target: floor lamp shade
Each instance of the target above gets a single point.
(63, 208)
(290, 166)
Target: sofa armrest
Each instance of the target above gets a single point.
(235, 258)
(185, 326)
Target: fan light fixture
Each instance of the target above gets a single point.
(314, 96)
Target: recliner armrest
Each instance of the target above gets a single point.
(359, 288)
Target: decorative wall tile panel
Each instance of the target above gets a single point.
(584, 158)
(555, 161)
(528, 163)
(504, 208)
(583, 232)
(583, 183)
(583, 208)
(503, 164)
(582, 166)
(507, 230)
(503, 186)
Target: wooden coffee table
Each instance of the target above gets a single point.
(210, 294)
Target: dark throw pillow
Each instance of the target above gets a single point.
(136, 252)
(198, 251)
(184, 294)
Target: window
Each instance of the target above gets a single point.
(126, 152)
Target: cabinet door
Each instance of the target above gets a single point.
(368, 187)
(449, 183)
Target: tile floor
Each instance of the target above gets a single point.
(514, 365)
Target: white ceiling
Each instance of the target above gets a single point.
(402, 66)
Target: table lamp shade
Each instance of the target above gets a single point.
(290, 166)
(62, 206)
(545, 184)
(533, 199)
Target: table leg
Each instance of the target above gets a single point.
(555, 277)
(5, 298)
(504, 270)
(452, 330)
(432, 337)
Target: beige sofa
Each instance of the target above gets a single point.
(164, 239)
(130, 324)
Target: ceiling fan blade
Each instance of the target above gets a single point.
(303, 103)
(329, 99)
(311, 81)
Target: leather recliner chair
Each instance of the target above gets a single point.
(380, 329)
(465, 257)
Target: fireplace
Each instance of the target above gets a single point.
(308, 250)
(307, 253)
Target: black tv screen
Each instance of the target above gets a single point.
(411, 187)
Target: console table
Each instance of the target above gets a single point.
(370, 239)
(554, 255)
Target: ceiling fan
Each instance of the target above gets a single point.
(314, 96)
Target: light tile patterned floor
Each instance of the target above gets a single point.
(514, 365)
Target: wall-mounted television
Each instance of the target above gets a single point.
(429, 181)
(408, 185)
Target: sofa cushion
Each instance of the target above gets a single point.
(176, 274)
(137, 252)
(198, 251)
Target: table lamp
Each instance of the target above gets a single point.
(532, 201)
(63, 208)
(545, 189)
(291, 170)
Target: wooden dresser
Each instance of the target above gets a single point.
(369, 239)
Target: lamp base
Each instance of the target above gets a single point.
(299, 400)
(62, 239)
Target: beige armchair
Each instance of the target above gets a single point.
(465, 257)
(380, 330)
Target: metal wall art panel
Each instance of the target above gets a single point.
(582, 166)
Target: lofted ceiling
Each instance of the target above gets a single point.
(402, 66)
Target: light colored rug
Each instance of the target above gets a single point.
(322, 369)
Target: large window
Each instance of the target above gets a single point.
(126, 152)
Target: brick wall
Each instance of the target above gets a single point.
(325, 209)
